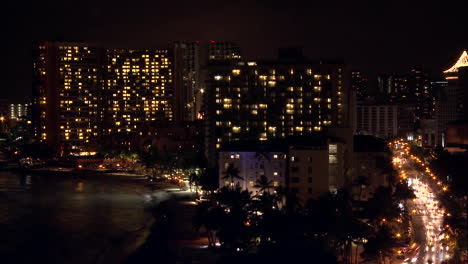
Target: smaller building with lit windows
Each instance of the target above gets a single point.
(253, 161)
(377, 120)
(308, 165)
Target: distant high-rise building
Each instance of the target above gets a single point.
(18, 110)
(401, 87)
(223, 50)
(391, 88)
(265, 100)
(385, 84)
(406, 120)
(81, 91)
(359, 84)
(377, 120)
(452, 99)
(188, 87)
(189, 77)
(67, 93)
(419, 89)
(138, 88)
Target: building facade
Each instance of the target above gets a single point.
(266, 100)
(18, 110)
(372, 160)
(81, 92)
(360, 84)
(421, 93)
(190, 59)
(309, 166)
(452, 99)
(377, 120)
(67, 93)
(252, 166)
(137, 90)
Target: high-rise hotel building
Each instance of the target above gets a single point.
(67, 93)
(138, 88)
(190, 60)
(81, 91)
(452, 99)
(265, 100)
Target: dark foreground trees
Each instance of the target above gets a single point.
(271, 226)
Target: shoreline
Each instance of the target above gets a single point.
(172, 237)
(73, 172)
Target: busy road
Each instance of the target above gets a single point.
(426, 212)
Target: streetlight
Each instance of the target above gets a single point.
(2, 119)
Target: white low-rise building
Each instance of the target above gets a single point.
(252, 165)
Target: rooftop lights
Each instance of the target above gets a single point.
(462, 62)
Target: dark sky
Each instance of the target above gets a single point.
(372, 36)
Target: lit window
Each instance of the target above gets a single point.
(275, 156)
(332, 159)
(275, 173)
(332, 148)
(237, 156)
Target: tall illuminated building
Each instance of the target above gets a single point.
(81, 92)
(138, 88)
(452, 100)
(419, 88)
(249, 100)
(190, 59)
(67, 92)
(223, 50)
(188, 89)
(391, 88)
(18, 110)
(359, 84)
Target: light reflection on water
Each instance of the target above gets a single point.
(64, 219)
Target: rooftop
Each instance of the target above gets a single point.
(462, 62)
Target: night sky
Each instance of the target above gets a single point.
(371, 36)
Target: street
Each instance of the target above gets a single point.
(426, 214)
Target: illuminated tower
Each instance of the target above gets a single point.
(138, 89)
(359, 84)
(452, 101)
(190, 59)
(419, 88)
(82, 92)
(67, 93)
(250, 100)
(187, 85)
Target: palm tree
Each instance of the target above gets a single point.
(264, 184)
(381, 207)
(232, 173)
(208, 216)
(403, 192)
(379, 246)
(194, 179)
